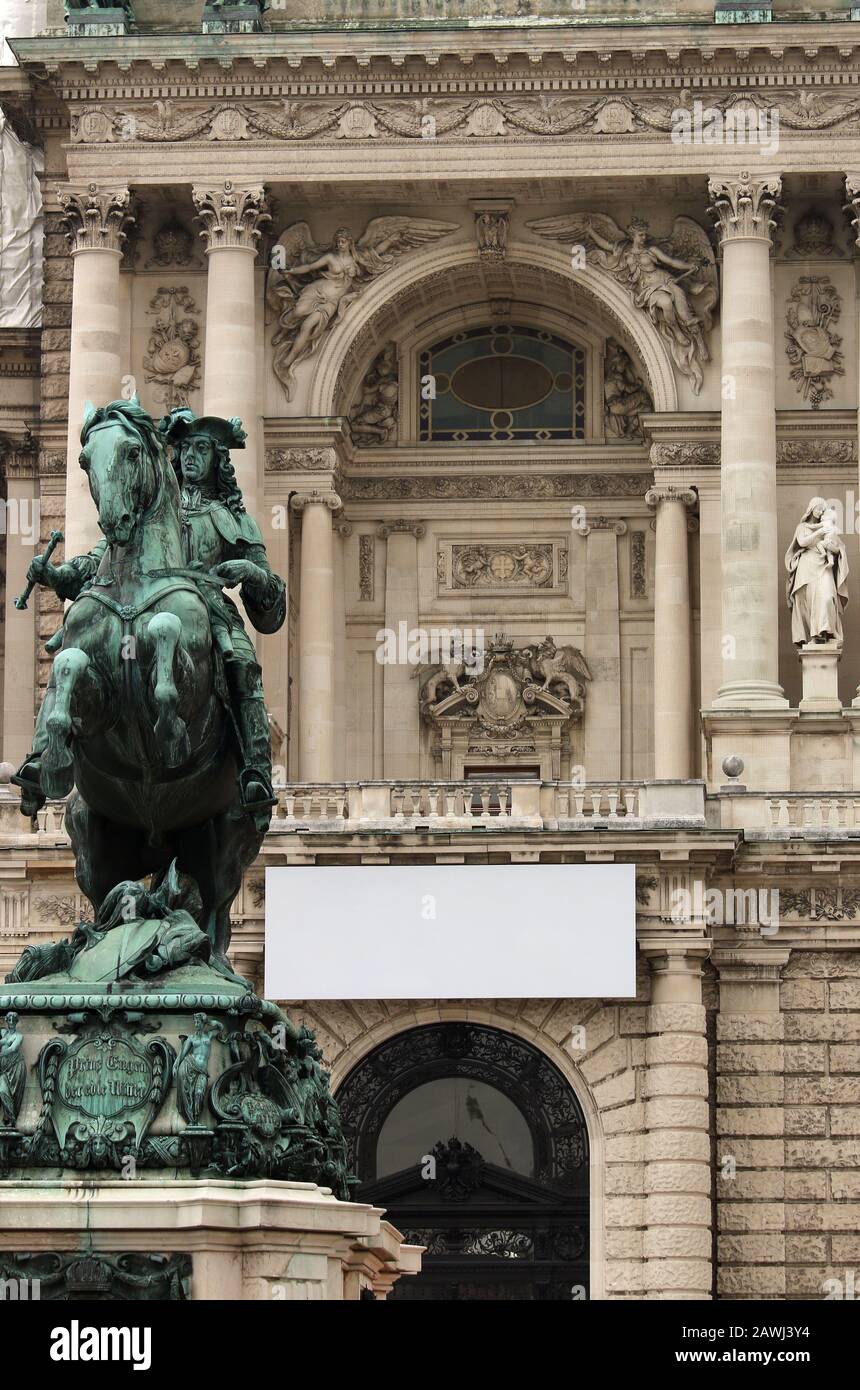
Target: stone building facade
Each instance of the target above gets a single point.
(544, 329)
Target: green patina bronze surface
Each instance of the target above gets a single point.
(142, 1045)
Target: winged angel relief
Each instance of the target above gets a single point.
(674, 280)
(339, 272)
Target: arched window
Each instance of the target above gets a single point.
(476, 1146)
(500, 383)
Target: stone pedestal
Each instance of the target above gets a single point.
(246, 1240)
(820, 665)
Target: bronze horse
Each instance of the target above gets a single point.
(139, 717)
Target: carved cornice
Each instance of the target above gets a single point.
(300, 460)
(812, 452)
(412, 528)
(510, 486)
(231, 214)
(316, 498)
(474, 109)
(96, 218)
(743, 206)
(668, 455)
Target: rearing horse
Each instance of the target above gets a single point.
(139, 719)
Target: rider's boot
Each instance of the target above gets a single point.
(255, 776)
(28, 776)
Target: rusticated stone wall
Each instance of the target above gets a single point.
(642, 1083)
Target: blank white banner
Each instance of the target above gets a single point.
(446, 931)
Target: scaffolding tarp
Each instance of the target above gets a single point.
(20, 231)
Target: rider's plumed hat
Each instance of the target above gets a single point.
(183, 424)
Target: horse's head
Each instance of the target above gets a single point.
(123, 457)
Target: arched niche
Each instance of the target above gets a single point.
(447, 277)
(500, 1196)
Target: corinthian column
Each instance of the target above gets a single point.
(96, 219)
(752, 573)
(316, 636)
(232, 215)
(673, 669)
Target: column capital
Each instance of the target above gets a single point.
(742, 206)
(414, 528)
(231, 214)
(602, 523)
(852, 204)
(668, 492)
(343, 527)
(316, 498)
(96, 216)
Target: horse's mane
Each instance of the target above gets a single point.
(132, 415)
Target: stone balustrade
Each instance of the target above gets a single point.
(498, 804)
(502, 804)
(782, 813)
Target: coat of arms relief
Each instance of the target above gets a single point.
(520, 704)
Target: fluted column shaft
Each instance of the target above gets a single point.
(316, 636)
(752, 573)
(231, 217)
(95, 219)
(673, 668)
(400, 756)
(22, 536)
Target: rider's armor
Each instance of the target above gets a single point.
(212, 533)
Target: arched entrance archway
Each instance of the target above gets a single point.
(476, 1145)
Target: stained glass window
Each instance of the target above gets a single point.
(502, 383)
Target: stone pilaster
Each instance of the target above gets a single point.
(677, 1244)
(95, 218)
(602, 648)
(751, 1214)
(232, 216)
(342, 531)
(678, 1237)
(401, 725)
(316, 636)
(673, 667)
(752, 572)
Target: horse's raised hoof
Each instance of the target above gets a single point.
(57, 774)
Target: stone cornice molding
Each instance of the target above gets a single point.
(412, 528)
(742, 206)
(687, 454)
(232, 214)
(505, 486)
(316, 497)
(96, 217)
(307, 112)
(634, 50)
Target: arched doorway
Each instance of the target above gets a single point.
(476, 1145)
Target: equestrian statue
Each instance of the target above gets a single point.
(155, 709)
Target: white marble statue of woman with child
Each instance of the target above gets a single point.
(817, 567)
